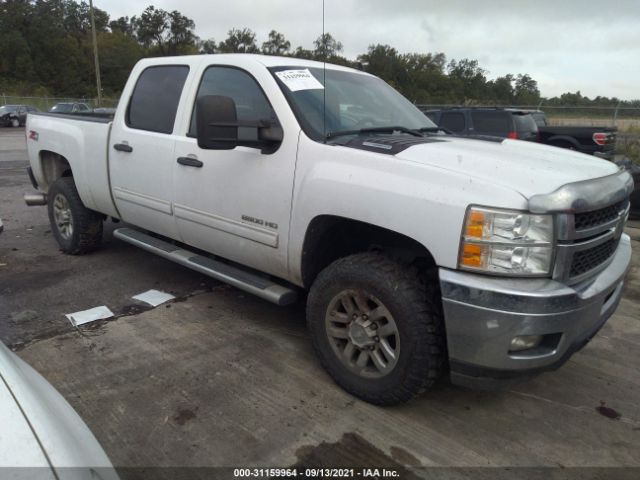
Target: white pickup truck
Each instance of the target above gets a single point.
(423, 254)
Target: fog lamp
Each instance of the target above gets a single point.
(524, 342)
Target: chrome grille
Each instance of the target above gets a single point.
(591, 258)
(598, 217)
(587, 241)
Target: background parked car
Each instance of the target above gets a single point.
(486, 121)
(105, 110)
(70, 107)
(599, 141)
(15, 115)
(42, 436)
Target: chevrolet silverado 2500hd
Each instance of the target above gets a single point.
(423, 253)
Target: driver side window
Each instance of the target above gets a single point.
(251, 102)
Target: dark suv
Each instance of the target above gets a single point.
(486, 121)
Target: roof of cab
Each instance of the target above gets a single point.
(242, 58)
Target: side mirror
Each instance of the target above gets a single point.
(216, 122)
(218, 127)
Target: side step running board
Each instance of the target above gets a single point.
(242, 279)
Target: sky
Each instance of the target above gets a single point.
(566, 45)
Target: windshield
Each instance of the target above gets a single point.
(63, 108)
(8, 108)
(353, 101)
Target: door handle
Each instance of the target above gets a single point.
(190, 162)
(123, 147)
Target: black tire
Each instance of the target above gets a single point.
(86, 234)
(417, 311)
(15, 122)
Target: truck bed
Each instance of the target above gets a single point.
(81, 140)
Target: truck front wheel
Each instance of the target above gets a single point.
(77, 229)
(377, 329)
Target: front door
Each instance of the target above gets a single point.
(235, 203)
(141, 145)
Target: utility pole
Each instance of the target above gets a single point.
(95, 52)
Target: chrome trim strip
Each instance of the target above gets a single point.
(227, 225)
(142, 200)
(565, 253)
(585, 195)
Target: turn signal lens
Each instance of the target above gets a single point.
(475, 224)
(471, 255)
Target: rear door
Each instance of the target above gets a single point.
(141, 149)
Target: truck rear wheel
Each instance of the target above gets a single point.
(377, 329)
(77, 229)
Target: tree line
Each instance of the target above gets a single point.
(46, 49)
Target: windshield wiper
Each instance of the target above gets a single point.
(435, 129)
(390, 129)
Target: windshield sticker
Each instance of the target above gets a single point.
(299, 80)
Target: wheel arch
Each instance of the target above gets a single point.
(330, 237)
(560, 139)
(53, 166)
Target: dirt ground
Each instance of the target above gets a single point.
(218, 378)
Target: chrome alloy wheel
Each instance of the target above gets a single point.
(63, 217)
(362, 333)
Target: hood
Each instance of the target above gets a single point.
(525, 167)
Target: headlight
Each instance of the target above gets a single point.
(506, 242)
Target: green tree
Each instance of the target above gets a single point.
(277, 44)
(208, 47)
(526, 90)
(165, 33)
(326, 46)
(239, 41)
(123, 25)
(385, 62)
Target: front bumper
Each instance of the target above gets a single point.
(483, 314)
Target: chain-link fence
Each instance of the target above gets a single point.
(44, 104)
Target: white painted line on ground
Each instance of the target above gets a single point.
(154, 297)
(91, 315)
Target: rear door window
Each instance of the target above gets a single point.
(453, 121)
(497, 123)
(155, 98)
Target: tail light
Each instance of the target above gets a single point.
(600, 138)
(513, 135)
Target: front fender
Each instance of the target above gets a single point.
(425, 203)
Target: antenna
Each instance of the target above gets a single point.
(324, 78)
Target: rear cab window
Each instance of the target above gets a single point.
(496, 123)
(155, 98)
